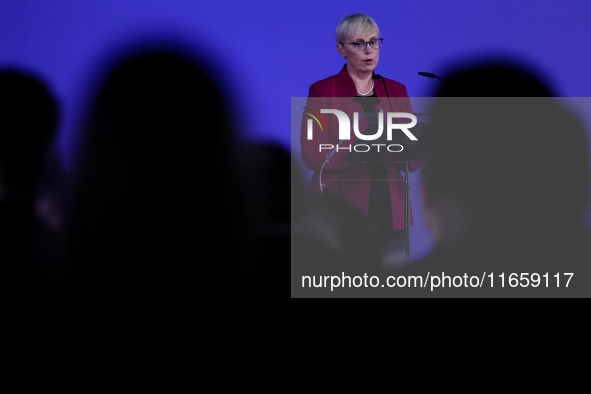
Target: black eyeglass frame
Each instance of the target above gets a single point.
(380, 43)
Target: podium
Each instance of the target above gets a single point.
(398, 153)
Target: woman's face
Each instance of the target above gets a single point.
(364, 61)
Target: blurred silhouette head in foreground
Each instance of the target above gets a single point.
(156, 186)
(28, 123)
(505, 184)
(506, 164)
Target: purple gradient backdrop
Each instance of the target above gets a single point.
(267, 51)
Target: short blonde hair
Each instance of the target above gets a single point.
(352, 24)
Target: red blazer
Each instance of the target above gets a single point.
(347, 179)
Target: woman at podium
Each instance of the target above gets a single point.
(372, 184)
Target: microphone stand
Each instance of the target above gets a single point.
(406, 184)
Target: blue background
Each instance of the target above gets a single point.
(269, 51)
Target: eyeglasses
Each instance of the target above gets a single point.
(360, 45)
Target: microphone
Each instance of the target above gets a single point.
(431, 75)
(428, 75)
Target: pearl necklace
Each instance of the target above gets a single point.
(365, 94)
